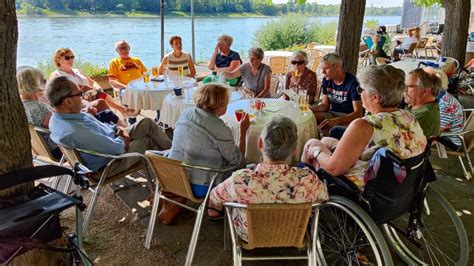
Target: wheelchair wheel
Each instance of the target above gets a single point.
(348, 236)
(440, 238)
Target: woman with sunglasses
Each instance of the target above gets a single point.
(256, 75)
(302, 77)
(63, 59)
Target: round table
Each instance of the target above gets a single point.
(305, 122)
(173, 106)
(142, 96)
(408, 65)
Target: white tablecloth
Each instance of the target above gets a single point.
(173, 106)
(408, 65)
(142, 96)
(306, 124)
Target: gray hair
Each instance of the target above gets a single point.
(427, 80)
(332, 59)
(226, 38)
(30, 80)
(279, 137)
(300, 53)
(256, 52)
(58, 89)
(385, 80)
(117, 44)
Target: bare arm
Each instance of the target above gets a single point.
(212, 62)
(232, 75)
(343, 120)
(192, 68)
(53, 75)
(266, 86)
(115, 83)
(323, 106)
(348, 150)
(164, 62)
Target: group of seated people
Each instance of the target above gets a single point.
(381, 41)
(202, 138)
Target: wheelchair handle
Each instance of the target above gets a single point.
(443, 140)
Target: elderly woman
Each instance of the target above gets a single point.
(272, 181)
(178, 58)
(302, 77)
(256, 75)
(224, 59)
(64, 60)
(202, 138)
(386, 126)
(31, 84)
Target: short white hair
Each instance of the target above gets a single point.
(279, 136)
(117, 44)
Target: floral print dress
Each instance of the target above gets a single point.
(268, 183)
(398, 131)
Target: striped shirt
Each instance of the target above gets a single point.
(451, 116)
(174, 62)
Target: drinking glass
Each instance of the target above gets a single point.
(304, 107)
(154, 71)
(239, 114)
(146, 77)
(180, 75)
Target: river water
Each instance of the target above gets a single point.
(92, 39)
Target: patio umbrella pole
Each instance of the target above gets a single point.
(162, 17)
(192, 31)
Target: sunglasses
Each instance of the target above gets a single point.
(297, 62)
(122, 48)
(69, 57)
(360, 90)
(80, 94)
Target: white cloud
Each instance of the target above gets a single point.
(377, 3)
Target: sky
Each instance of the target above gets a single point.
(376, 3)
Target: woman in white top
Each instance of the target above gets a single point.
(177, 58)
(64, 60)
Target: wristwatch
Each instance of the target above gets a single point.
(316, 153)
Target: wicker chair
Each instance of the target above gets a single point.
(172, 177)
(422, 46)
(102, 177)
(278, 64)
(409, 52)
(311, 45)
(276, 87)
(271, 226)
(467, 140)
(42, 155)
(315, 63)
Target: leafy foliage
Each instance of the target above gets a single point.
(294, 30)
(88, 68)
(428, 3)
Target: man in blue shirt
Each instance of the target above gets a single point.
(341, 101)
(74, 129)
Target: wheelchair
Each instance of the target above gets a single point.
(416, 220)
(31, 220)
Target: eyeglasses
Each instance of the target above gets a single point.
(411, 86)
(69, 57)
(123, 48)
(297, 62)
(80, 94)
(360, 90)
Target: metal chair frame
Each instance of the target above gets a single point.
(73, 157)
(466, 146)
(161, 185)
(41, 153)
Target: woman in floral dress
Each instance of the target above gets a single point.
(381, 89)
(272, 181)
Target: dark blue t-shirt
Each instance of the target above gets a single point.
(224, 61)
(341, 96)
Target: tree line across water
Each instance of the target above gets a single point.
(266, 7)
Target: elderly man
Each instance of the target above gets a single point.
(421, 89)
(124, 69)
(72, 128)
(341, 101)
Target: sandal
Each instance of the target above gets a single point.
(217, 218)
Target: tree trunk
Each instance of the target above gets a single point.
(351, 18)
(15, 147)
(456, 27)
